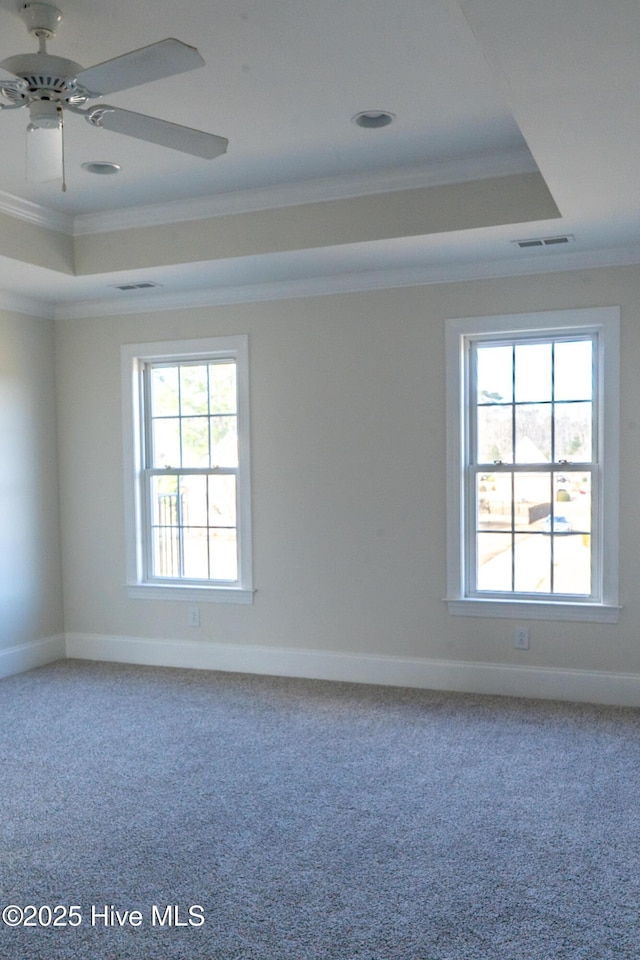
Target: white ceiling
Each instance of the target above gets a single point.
(478, 87)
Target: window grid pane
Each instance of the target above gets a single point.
(192, 437)
(533, 523)
(194, 526)
(192, 416)
(533, 531)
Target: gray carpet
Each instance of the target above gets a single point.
(313, 821)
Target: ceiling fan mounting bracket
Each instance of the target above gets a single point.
(40, 19)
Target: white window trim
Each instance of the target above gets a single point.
(605, 322)
(133, 357)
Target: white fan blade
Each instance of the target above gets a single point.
(173, 135)
(158, 60)
(44, 154)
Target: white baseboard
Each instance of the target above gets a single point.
(26, 656)
(486, 678)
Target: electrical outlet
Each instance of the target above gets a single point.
(521, 638)
(194, 616)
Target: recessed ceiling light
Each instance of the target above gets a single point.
(101, 167)
(373, 119)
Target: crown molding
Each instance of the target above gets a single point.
(35, 213)
(271, 197)
(307, 191)
(351, 282)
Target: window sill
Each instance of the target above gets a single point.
(190, 593)
(534, 609)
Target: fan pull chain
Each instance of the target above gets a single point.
(64, 178)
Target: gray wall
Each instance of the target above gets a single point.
(30, 567)
(349, 478)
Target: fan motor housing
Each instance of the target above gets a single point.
(38, 65)
(47, 78)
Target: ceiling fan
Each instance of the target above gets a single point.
(48, 85)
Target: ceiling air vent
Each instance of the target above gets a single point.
(142, 285)
(544, 241)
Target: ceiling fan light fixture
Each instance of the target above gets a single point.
(373, 119)
(45, 115)
(101, 167)
(44, 153)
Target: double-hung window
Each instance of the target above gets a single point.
(186, 408)
(533, 451)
